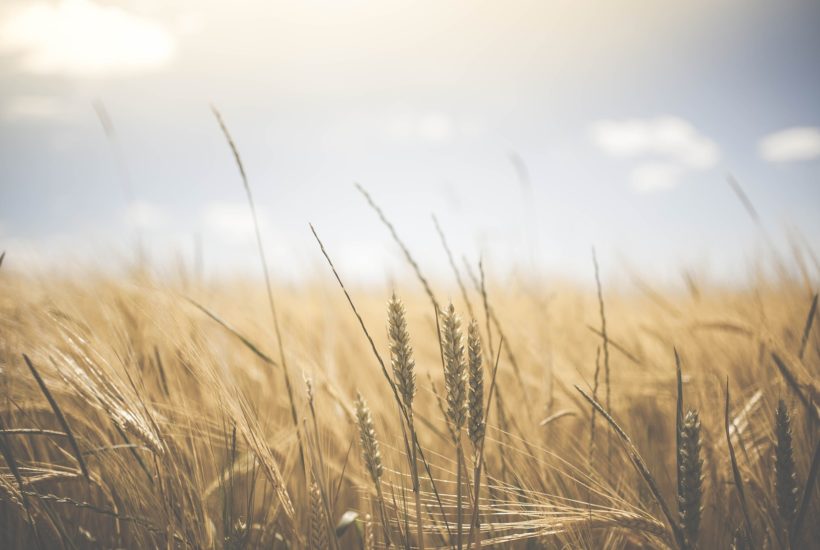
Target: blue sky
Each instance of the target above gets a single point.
(627, 115)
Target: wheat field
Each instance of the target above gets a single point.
(143, 412)
(537, 275)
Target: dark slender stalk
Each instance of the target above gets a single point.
(790, 378)
(404, 249)
(459, 512)
(807, 327)
(250, 345)
(475, 524)
(271, 302)
(641, 467)
(736, 472)
(453, 266)
(678, 416)
(605, 338)
(60, 418)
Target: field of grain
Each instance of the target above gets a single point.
(172, 413)
(409, 275)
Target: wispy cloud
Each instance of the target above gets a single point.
(82, 38)
(35, 108)
(668, 147)
(655, 176)
(145, 215)
(432, 127)
(790, 145)
(231, 222)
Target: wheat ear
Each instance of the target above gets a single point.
(690, 487)
(475, 394)
(371, 454)
(401, 353)
(455, 382)
(785, 475)
(319, 539)
(404, 373)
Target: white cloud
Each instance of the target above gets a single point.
(432, 127)
(144, 215)
(791, 144)
(81, 38)
(655, 176)
(668, 137)
(668, 147)
(231, 222)
(436, 127)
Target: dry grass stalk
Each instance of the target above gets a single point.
(459, 280)
(736, 472)
(595, 380)
(58, 413)
(804, 340)
(404, 249)
(641, 467)
(271, 302)
(605, 339)
(477, 421)
(796, 386)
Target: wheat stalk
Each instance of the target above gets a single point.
(318, 536)
(369, 538)
(785, 474)
(404, 373)
(455, 370)
(371, 454)
(690, 486)
(455, 383)
(401, 353)
(475, 394)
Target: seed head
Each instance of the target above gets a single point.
(367, 437)
(455, 369)
(785, 475)
(319, 539)
(690, 488)
(475, 396)
(739, 540)
(369, 533)
(401, 353)
(309, 388)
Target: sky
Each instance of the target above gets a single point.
(532, 130)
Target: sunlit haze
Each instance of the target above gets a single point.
(532, 130)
